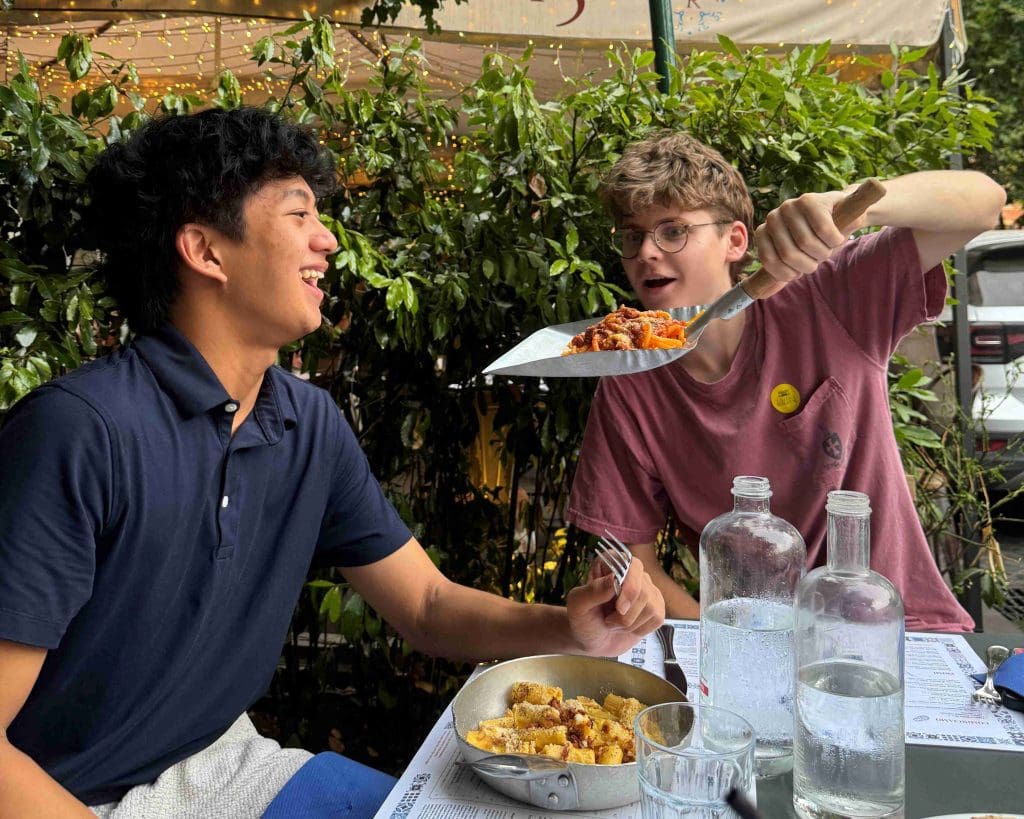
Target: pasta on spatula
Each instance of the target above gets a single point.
(630, 329)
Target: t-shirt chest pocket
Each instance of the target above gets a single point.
(822, 433)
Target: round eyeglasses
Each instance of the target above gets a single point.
(669, 236)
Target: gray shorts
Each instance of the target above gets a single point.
(234, 778)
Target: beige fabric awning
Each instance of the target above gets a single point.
(182, 45)
(865, 24)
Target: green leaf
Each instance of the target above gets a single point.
(395, 294)
(350, 618)
(12, 102)
(331, 604)
(263, 50)
(42, 367)
(558, 267)
(910, 378)
(80, 103)
(922, 436)
(19, 296)
(572, 240)
(729, 47)
(108, 99)
(229, 92)
(78, 59)
(66, 44)
(26, 336)
(85, 303)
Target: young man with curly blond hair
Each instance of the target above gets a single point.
(794, 388)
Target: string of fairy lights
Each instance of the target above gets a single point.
(186, 54)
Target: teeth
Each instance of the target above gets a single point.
(311, 274)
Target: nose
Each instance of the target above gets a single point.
(323, 240)
(648, 247)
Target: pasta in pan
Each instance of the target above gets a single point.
(630, 329)
(540, 721)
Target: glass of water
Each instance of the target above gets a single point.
(689, 756)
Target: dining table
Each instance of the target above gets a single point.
(941, 780)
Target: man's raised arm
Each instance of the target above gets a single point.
(443, 618)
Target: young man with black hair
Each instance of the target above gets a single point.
(160, 508)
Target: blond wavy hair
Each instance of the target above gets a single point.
(675, 170)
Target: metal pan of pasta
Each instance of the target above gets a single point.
(556, 731)
(555, 352)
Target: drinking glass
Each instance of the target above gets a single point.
(688, 757)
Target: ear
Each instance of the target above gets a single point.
(739, 241)
(196, 245)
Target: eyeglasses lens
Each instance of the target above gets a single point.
(669, 236)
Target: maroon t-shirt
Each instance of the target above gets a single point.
(804, 404)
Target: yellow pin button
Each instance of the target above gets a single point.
(785, 398)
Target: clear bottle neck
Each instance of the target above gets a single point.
(849, 531)
(751, 494)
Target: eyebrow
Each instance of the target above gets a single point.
(299, 193)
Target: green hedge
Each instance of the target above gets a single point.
(467, 223)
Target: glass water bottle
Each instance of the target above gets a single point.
(848, 645)
(750, 564)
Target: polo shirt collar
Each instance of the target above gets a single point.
(181, 371)
(187, 378)
(274, 410)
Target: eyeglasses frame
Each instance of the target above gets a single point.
(654, 234)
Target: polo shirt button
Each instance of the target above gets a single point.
(230, 406)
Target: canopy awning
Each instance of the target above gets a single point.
(868, 25)
(183, 45)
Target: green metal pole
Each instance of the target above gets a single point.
(664, 37)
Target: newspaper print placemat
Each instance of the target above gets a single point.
(938, 710)
(938, 706)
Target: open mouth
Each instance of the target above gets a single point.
(654, 284)
(311, 278)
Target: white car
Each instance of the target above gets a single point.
(995, 310)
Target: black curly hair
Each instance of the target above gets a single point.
(175, 170)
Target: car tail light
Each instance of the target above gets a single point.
(995, 444)
(996, 343)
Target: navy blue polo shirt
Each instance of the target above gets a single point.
(159, 559)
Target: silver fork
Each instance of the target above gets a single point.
(616, 556)
(987, 694)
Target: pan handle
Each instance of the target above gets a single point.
(550, 783)
(848, 209)
(518, 766)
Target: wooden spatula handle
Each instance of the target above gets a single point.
(852, 206)
(848, 209)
